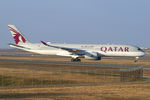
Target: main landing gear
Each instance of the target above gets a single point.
(75, 60)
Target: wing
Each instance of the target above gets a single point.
(72, 50)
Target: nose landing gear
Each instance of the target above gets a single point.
(136, 59)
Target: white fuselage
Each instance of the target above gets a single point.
(103, 50)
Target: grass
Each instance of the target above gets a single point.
(19, 82)
(125, 91)
(119, 91)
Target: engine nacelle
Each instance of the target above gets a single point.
(92, 56)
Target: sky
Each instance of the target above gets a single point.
(77, 21)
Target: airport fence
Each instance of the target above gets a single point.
(10, 79)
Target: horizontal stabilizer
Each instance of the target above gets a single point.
(17, 46)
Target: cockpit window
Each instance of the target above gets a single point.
(139, 49)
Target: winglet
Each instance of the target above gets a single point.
(44, 43)
(49, 45)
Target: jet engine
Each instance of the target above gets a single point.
(92, 56)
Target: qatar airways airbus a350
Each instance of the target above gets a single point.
(75, 51)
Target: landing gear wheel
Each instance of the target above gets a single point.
(75, 60)
(78, 60)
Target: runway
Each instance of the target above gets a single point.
(74, 63)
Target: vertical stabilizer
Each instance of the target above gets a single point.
(18, 37)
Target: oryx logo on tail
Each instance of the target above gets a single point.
(18, 37)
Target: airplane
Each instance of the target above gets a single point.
(75, 51)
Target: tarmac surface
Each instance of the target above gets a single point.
(74, 63)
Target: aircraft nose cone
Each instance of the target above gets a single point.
(142, 53)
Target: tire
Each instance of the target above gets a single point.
(75, 60)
